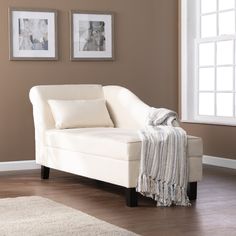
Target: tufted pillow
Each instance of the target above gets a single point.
(80, 113)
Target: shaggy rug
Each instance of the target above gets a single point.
(32, 216)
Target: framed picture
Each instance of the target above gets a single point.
(33, 34)
(92, 35)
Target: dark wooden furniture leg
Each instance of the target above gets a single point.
(45, 172)
(131, 197)
(192, 190)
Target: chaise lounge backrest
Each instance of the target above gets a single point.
(39, 96)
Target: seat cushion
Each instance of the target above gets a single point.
(109, 142)
(122, 144)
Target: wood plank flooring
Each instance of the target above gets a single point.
(214, 212)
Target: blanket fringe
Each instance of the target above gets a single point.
(166, 194)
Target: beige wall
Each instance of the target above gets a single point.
(146, 62)
(218, 140)
(133, 67)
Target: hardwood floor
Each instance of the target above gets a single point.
(214, 212)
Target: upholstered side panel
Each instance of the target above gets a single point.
(119, 172)
(126, 109)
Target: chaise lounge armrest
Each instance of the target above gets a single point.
(126, 109)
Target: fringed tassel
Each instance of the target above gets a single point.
(165, 194)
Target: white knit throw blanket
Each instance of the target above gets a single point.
(163, 172)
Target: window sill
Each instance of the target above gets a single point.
(207, 122)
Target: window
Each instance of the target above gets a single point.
(208, 61)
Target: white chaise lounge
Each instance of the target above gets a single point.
(102, 153)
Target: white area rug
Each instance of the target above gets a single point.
(30, 216)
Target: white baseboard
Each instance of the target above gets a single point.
(31, 165)
(18, 165)
(218, 161)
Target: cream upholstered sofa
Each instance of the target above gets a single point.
(107, 154)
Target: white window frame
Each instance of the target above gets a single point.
(186, 100)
